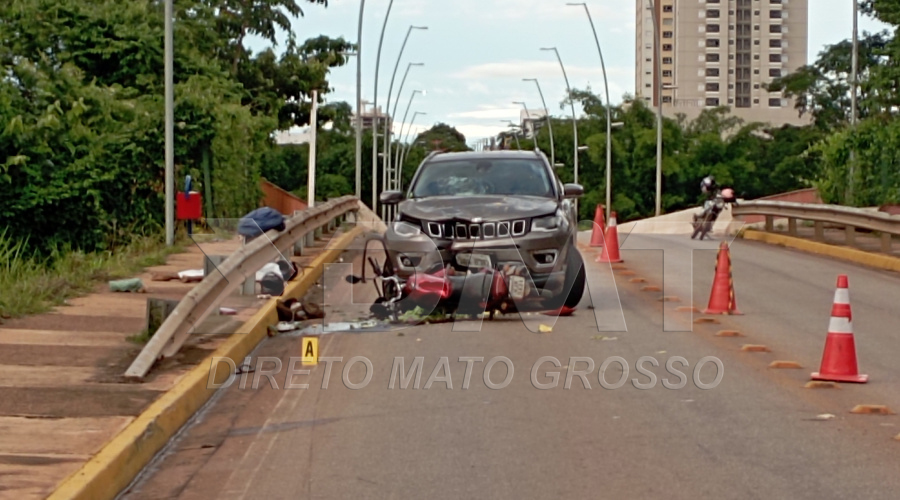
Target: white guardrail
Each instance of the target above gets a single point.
(849, 218)
(243, 264)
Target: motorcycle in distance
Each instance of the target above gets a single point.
(703, 222)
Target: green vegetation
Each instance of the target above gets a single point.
(82, 122)
(30, 283)
(81, 111)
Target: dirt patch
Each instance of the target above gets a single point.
(58, 402)
(72, 322)
(47, 355)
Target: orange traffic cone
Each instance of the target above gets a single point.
(839, 358)
(611, 247)
(721, 298)
(599, 229)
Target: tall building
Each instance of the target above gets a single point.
(722, 53)
(370, 116)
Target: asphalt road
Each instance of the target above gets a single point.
(756, 434)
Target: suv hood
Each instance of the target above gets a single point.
(489, 208)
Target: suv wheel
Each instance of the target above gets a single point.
(573, 289)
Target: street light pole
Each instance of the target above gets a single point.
(405, 147)
(515, 133)
(659, 112)
(400, 132)
(170, 125)
(394, 113)
(608, 114)
(387, 124)
(574, 117)
(854, 62)
(528, 116)
(549, 121)
(375, 113)
(362, 7)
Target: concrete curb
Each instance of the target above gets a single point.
(122, 458)
(850, 254)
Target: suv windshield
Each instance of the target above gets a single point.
(521, 177)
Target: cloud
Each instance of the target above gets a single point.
(538, 69)
(519, 10)
(479, 131)
(477, 88)
(490, 113)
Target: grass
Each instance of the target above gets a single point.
(32, 285)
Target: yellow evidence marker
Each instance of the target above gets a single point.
(310, 351)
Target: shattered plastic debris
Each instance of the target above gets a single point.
(344, 326)
(191, 275)
(227, 311)
(413, 315)
(545, 329)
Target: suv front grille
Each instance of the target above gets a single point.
(473, 231)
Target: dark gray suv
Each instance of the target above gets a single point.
(505, 211)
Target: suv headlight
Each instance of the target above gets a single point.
(550, 223)
(406, 229)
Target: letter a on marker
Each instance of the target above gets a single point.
(310, 351)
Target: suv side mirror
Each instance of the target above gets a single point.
(573, 190)
(391, 197)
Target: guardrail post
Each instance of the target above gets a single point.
(309, 239)
(318, 232)
(211, 264)
(298, 247)
(820, 231)
(792, 227)
(850, 231)
(886, 241)
(249, 286)
(770, 223)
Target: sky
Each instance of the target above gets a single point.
(476, 53)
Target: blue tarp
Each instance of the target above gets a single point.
(259, 221)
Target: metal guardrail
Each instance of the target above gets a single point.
(849, 218)
(243, 264)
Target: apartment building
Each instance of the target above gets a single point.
(721, 53)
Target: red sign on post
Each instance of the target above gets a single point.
(189, 207)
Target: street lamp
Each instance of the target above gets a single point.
(608, 113)
(659, 112)
(574, 117)
(387, 123)
(515, 133)
(169, 98)
(375, 112)
(549, 121)
(405, 147)
(854, 62)
(358, 159)
(397, 101)
(400, 133)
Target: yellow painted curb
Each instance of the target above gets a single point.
(124, 456)
(850, 254)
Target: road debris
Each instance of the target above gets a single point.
(134, 285)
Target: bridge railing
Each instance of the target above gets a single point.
(851, 219)
(231, 274)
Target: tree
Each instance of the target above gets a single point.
(822, 89)
(443, 137)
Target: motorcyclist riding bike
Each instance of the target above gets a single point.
(716, 199)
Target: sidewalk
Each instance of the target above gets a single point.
(62, 394)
